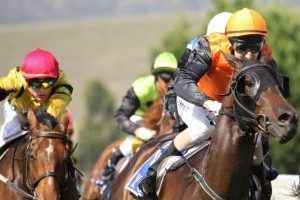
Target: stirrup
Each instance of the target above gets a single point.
(148, 186)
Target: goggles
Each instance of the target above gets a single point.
(41, 83)
(243, 48)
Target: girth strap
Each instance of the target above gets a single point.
(200, 179)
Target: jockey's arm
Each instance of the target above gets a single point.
(10, 83)
(61, 97)
(199, 62)
(130, 103)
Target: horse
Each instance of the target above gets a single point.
(38, 165)
(154, 119)
(254, 102)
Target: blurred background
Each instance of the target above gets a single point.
(103, 46)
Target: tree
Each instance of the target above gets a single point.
(285, 40)
(175, 40)
(99, 128)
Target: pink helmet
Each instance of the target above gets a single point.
(39, 64)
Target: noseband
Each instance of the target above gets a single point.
(50, 135)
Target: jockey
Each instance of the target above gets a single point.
(142, 93)
(37, 82)
(217, 24)
(205, 75)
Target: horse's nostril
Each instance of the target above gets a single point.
(288, 118)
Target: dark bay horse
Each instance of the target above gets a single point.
(39, 164)
(254, 103)
(154, 119)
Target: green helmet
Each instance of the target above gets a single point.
(164, 62)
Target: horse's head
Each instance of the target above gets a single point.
(49, 164)
(259, 103)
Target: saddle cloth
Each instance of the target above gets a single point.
(170, 163)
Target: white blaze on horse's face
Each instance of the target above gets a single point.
(49, 150)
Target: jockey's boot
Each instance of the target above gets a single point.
(258, 170)
(271, 172)
(148, 184)
(110, 168)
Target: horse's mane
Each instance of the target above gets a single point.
(45, 118)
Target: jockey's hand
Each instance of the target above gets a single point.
(144, 133)
(213, 106)
(171, 106)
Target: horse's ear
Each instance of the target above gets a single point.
(32, 119)
(64, 122)
(232, 60)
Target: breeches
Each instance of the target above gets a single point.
(196, 118)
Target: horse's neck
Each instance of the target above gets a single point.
(15, 155)
(228, 160)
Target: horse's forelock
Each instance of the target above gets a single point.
(45, 118)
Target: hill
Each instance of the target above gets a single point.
(114, 50)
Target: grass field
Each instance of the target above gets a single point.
(115, 50)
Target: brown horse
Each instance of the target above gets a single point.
(38, 165)
(222, 170)
(154, 119)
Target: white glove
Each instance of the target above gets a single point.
(144, 133)
(212, 106)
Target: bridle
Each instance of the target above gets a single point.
(243, 106)
(63, 181)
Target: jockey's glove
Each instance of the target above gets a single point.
(212, 106)
(144, 133)
(171, 106)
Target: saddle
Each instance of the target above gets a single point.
(169, 164)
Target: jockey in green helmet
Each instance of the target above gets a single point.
(137, 100)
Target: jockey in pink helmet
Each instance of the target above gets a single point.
(38, 82)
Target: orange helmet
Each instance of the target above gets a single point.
(246, 22)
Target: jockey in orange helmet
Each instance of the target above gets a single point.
(37, 82)
(216, 25)
(204, 75)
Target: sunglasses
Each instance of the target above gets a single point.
(41, 83)
(243, 48)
